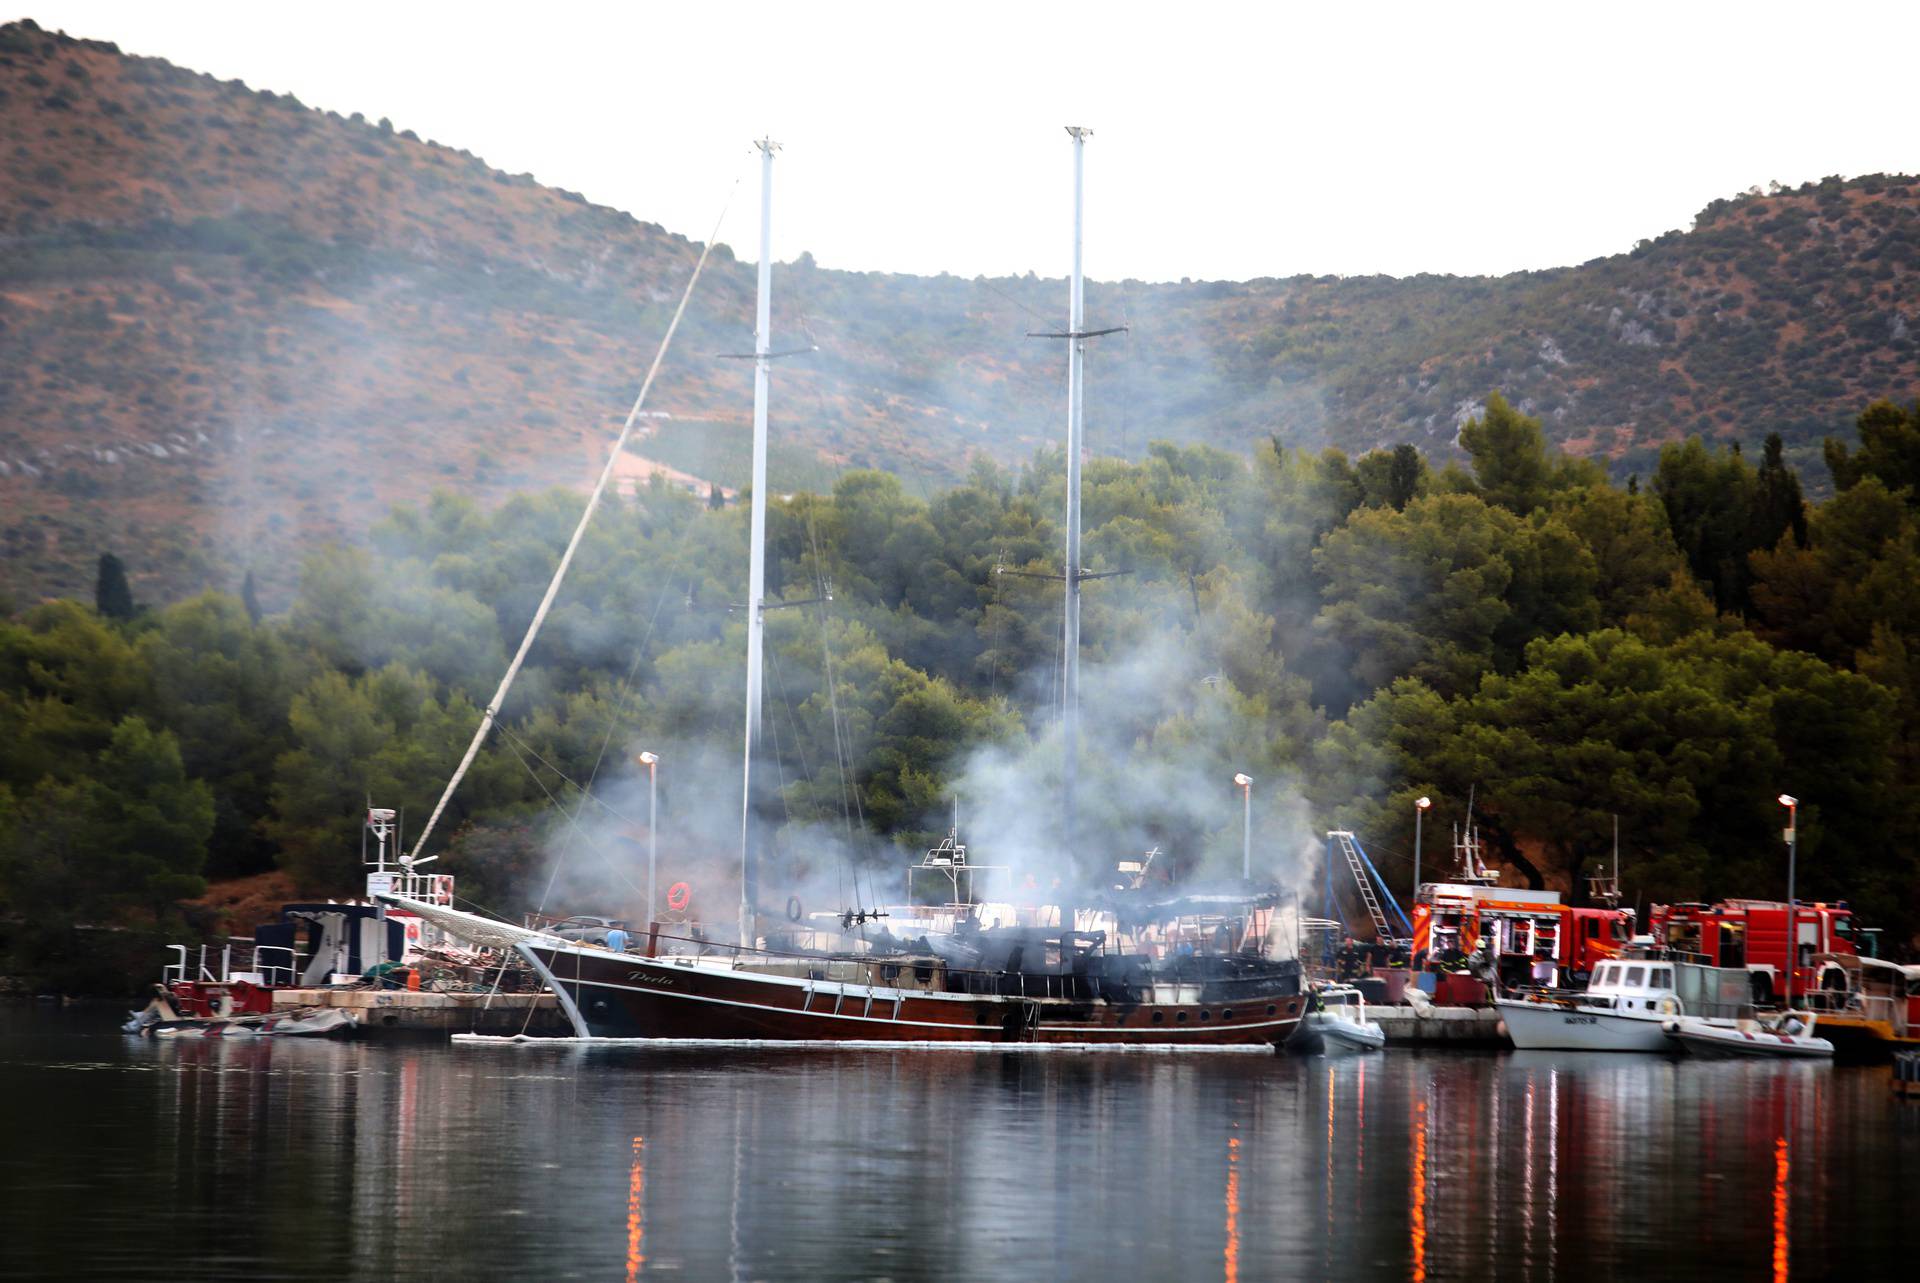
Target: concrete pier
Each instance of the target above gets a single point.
(1462, 1027)
(403, 1011)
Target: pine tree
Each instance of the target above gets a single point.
(112, 596)
(249, 598)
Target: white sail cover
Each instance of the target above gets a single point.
(486, 932)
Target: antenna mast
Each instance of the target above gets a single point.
(757, 557)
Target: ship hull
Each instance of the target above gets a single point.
(623, 996)
(1540, 1026)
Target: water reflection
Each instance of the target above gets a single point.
(1233, 1209)
(392, 1161)
(1782, 1240)
(636, 1196)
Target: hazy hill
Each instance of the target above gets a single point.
(230, 325)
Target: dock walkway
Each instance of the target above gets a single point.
(399, 1011)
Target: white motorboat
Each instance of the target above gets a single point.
(1338, 1023)
(1790, 1036)
(1626, 1008)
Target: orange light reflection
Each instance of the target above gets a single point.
(1330, 1102)
(1233, 1209)
(1781, 1245)
(1360, 1118)
(636, 1232)
(1419, 1231)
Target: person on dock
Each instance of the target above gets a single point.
(617, 937)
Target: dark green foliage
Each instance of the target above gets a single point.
(249, 598)
(1889, 450)
(1404, 475)
(112, 596)
(1778, 508)
(1709, 497)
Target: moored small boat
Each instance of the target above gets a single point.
(1337, 1024)
(1790, 1037)
(1626, 1007)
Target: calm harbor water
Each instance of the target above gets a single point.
(129, 1159)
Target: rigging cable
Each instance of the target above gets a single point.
(488, 718)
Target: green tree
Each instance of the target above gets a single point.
(112, 595)
(223, 684)
(1709, 499)
(1889, 451)
(1512, 463)
(1426, 592)
(1626, 535)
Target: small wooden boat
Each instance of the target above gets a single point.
(1789, 1037)
(1337, 1024)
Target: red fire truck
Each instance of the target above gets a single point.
(1521, 929)
(1753, 934)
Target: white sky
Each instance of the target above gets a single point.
(1231, 141)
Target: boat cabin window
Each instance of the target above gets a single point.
(1636, 977)
(1604, 975)
(1660, 977)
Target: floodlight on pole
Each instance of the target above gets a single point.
(652, 762)
(1245, 782)
(1792, 804)
(1420, 806)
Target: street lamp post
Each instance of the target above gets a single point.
(1420, 806)
(652, 762)
(1246, 825)
(1792, 804)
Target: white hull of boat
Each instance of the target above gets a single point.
(1715, 1038)
(1541, 1026)
(1332, 1036)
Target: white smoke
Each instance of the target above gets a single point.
(1161, 740)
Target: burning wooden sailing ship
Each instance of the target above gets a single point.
(1064, 977)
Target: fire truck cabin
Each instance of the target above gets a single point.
(1753, 934)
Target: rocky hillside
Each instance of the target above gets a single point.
(231, 325)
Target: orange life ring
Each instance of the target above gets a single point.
(679, 896)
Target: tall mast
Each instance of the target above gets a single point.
(1076, 362)
(757, 557)
(1076, 334)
